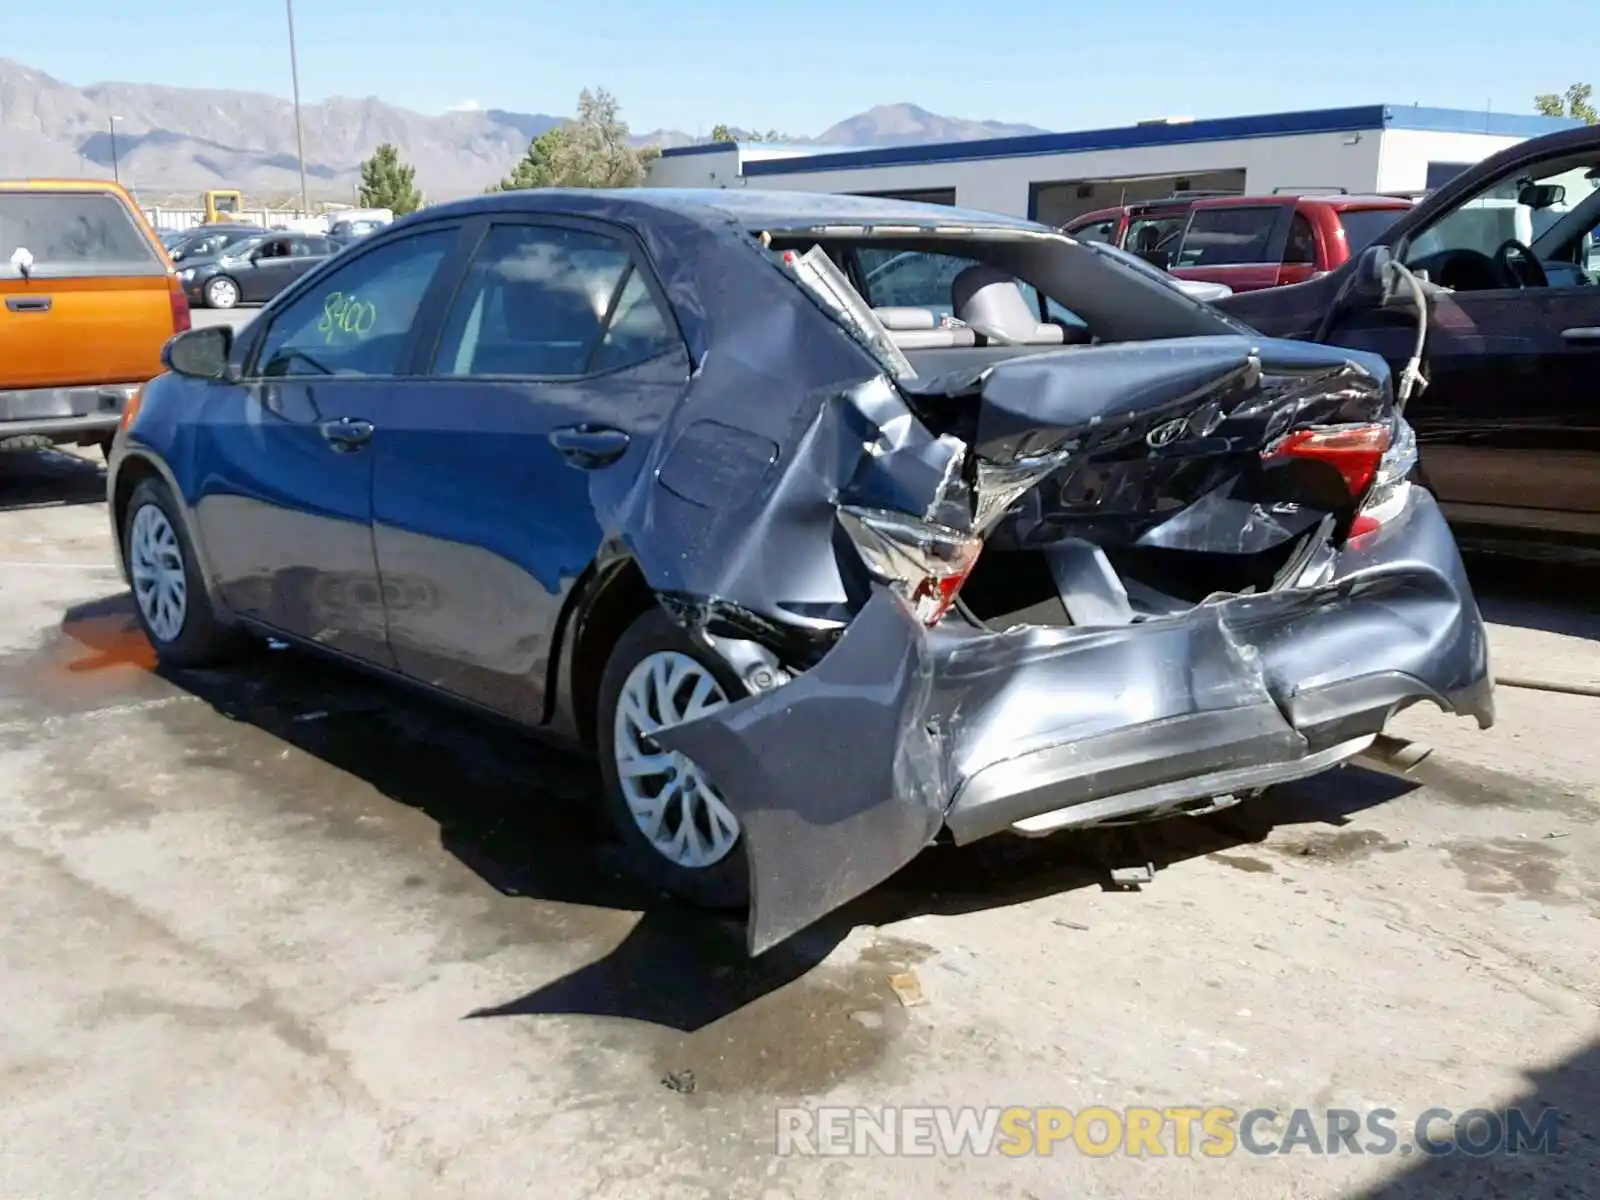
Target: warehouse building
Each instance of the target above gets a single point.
(1053, 177)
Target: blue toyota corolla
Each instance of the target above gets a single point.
(819, 574)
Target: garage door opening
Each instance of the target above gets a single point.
(1059, 202)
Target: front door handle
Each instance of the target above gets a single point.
(590, 446)
(347, 434)
(1589, 333)
(28, 303)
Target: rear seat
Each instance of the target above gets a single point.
(918, 329)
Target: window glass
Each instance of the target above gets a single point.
(1363, 226)
(534, 304)
(1301, 250)
(356, 320)
(918, 279)
(1459, 250)
(637, 331)
(1100, 231)
(68, 232)
(1219, 237)
(1155, 239)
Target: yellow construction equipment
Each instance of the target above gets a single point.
(223, 205)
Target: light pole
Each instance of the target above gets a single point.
(116, 173)
(299, 132)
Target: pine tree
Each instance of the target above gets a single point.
(386, 182)
(589, 152)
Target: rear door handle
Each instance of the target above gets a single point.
(28, 303)
(1590, 333)
(347, 434)
(590, 446)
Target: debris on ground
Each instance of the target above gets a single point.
(681, 1082)
(1133, 876)
(1066, 924)
(908, 988)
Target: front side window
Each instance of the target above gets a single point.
(1231, 236)
(1509, 232)
(545, 302)
(357, 319)
(1155, 239)
(1363, 226)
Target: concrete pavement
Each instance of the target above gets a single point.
(279, 931)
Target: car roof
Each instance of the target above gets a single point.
(1338, 201)
(752, 209)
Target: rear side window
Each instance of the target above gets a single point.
(357, 319)
(1221, 237)
(544, 302)
(1302, 248)
(1363, 226)
(72, 233)
(1100, 231)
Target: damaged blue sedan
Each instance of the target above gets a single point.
(830, 525)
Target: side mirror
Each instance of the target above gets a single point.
(1371, 276)
(200, 353)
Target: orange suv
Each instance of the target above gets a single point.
(1246, 242)
(89, 298)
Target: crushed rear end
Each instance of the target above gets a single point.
(1092, 585)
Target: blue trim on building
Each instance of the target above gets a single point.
(1362, 118)
(1460, 120)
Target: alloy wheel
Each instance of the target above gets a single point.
(677, 809)
(155, 561)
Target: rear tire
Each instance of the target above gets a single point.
(169, 593)
(222, 292)
(701, 867)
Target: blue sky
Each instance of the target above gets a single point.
(800, 67)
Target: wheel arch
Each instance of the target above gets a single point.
(131, 470)
(608, 598)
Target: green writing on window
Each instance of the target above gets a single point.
(346, 314)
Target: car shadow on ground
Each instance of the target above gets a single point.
(50, 478)
(1532, 593)
(1543, 1145)
(526, 820)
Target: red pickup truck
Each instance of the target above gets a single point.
(1246, 242)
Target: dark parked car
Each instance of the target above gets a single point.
(1509, 426)
(1245, 242)
(253, 268)
(815, 577)
(207, 241)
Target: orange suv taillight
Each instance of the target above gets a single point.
(180, 305)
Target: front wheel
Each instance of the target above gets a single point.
(169, 593)
(222, 293)
(677, 831)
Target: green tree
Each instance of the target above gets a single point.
(387, 182)
(730, 133)
(591, 151)
(723, 133)
(1574, 103)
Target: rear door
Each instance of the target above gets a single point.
(285, 457)
(94, 304)
(497, 474)
(1240, 245)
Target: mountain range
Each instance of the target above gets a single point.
(173, 142)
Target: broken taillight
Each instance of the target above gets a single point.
(925, 564)
(1355, 451)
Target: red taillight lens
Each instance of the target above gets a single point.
(180, 305)
(925, 563)
(1353, 450)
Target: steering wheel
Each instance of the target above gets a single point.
(1529, 273)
